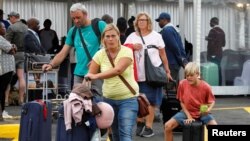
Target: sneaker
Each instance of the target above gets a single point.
(6, 114)
(148, 132)
(140, 128)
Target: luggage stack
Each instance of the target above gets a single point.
(80, 123)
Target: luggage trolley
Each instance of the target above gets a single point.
(35, 80)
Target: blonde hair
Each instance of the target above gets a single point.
(192, 68)
(109, 27)
(150, 27)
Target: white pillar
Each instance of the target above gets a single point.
(197, 30)
(182, 20)
(181, 27)
(242, 30)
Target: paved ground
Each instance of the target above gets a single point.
(233, 110)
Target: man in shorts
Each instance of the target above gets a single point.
(15, 35)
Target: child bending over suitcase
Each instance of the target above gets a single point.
(196, 99)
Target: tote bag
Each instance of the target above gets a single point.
(155, 76)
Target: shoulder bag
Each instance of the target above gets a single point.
(155, 76)
(142, 99)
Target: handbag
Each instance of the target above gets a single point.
(142, 99)
(155, 76)
(143, 105)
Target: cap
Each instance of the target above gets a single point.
(163, 16)
(13, 13)
(106, 117)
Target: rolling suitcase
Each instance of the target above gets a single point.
(35, 123)
(210, 73)
(193, 132)
(170, 106)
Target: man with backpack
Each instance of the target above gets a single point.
(85, 44)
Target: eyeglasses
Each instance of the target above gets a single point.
(110, 36)
(142, 20)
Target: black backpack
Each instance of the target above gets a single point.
(94, 24)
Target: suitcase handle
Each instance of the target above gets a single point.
(175, 86)
(87, 82)
(45, 86)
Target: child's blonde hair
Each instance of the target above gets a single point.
(192, 68)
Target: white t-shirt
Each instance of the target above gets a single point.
(153, 38)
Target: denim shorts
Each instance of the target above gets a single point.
(154, 94)
(181, 116)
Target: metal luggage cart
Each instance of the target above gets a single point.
(34, 78)
(34, 82)
(56, 102)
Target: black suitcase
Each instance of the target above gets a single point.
(193, 132)
(170, 106)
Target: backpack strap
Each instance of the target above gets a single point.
(84, 45)
(73, 34)
(95, 26)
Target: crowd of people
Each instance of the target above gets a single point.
(23, 36)
(118, 53)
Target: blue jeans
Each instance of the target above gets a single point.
(125, 118)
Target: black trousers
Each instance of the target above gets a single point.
(4, 81)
